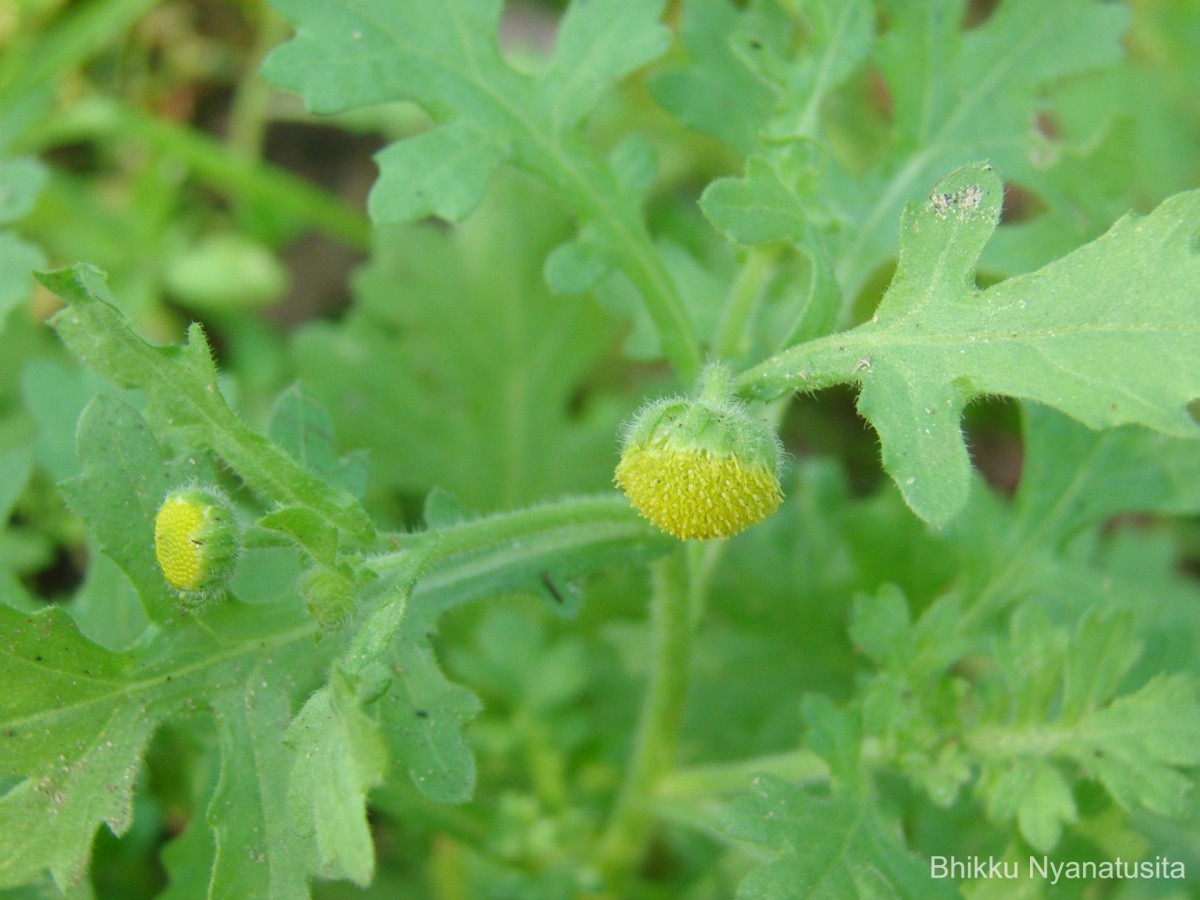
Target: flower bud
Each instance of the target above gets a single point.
(702, 468)
(328, 596)
(196, 541)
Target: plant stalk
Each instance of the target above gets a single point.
(601, 513)
(744, 298)
(624, 840)
(248, 114)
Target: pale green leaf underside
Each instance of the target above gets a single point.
(338, 757)
(1108, 334)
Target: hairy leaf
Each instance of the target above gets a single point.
(1061, 703)
(1107, 335)
(182, 380)
(956, 96)
(77, 729)
(965, 96)
(338, 757)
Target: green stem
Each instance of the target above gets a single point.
(716, 384)
(624, 839)
(725, 778)
(248, 113)
(599, 513)
(598, 200)
(703, 557)
(744, 297)
(810, 366)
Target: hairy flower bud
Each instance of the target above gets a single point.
(196, 541)
(328, 597)
(702, 468)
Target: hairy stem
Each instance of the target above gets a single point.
(600, 516)
(624, 839)
(598, 201)
(725, 778)
(744, 297)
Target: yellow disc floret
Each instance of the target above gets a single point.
(196, 541)
(695, 493)
(180, 557)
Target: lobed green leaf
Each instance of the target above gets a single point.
(835, 848)
(182, 381)
(338, 757)
(1107, 335)
(445, 58)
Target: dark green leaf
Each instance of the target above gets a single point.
(477, 402)
(445, 58)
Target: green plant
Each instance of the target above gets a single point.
(431, 673)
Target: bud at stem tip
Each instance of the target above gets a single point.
(701, 468)
(196, 540)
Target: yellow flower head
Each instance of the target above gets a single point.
(701, 468)
(196, 540)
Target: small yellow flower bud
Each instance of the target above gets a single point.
(196, 541)
(701, 468)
